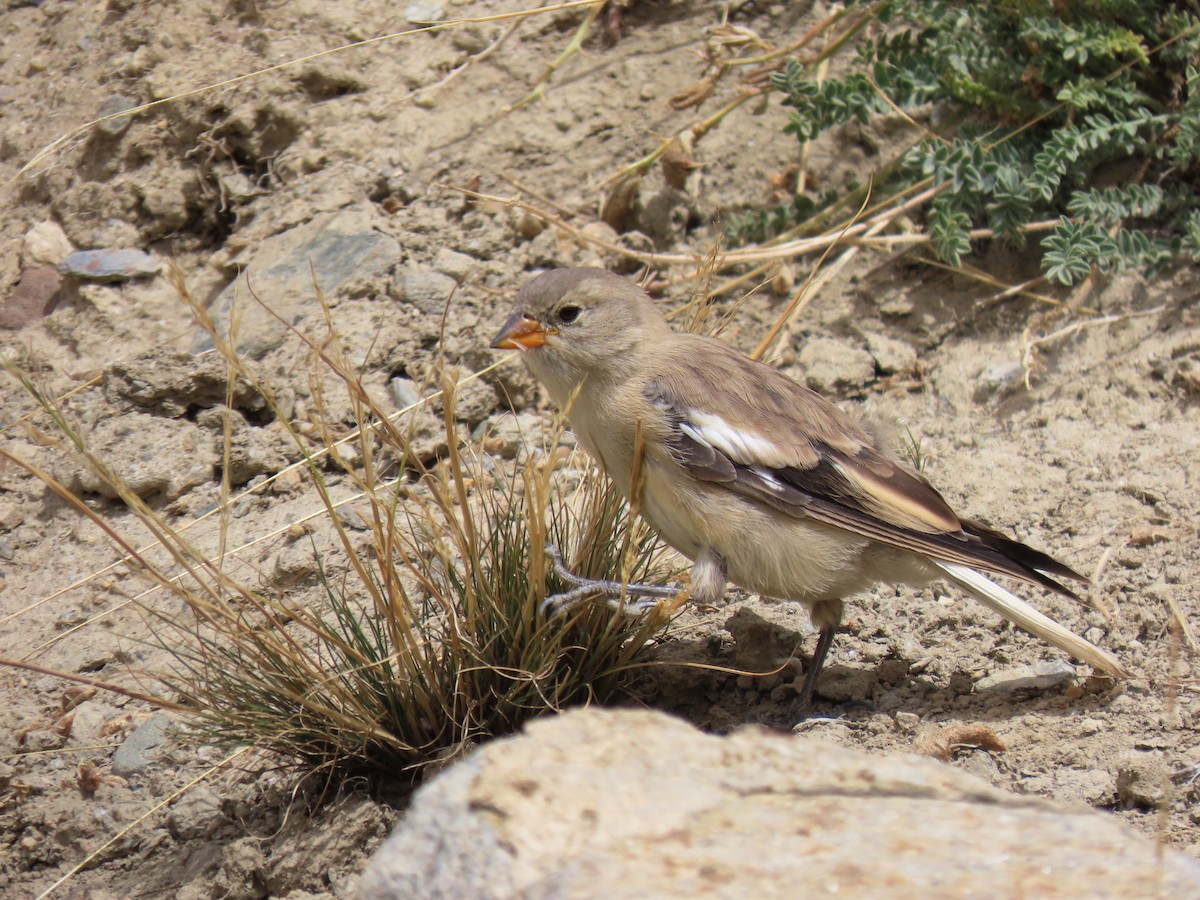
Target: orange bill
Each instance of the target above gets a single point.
(520, 333)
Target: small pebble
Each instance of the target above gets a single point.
(404, 392)
(424, 13)
(115, 104)
(46, 243)
(469, 40)
(998, 379)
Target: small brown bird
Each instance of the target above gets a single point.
(755, 478)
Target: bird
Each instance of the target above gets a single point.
(754, 477)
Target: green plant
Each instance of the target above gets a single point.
(1078, 118)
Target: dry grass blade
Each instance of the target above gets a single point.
(424, 639)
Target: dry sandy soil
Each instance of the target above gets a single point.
(1096, 457)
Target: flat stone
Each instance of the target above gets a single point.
(621, 803)
(150, 454)
(133, 756)
(427, 290)
(110, 265)
(336, 249)
(170, 383)
(1041, 676)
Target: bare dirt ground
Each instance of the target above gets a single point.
(1095, 458)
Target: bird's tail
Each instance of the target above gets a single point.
(1025, 616)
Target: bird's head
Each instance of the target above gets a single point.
(573, 324)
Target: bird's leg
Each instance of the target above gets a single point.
(824, 642)
(632, 598)
(828, 616)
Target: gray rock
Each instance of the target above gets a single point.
(196, 815)
(404, 392)
(170, 383)
(998, 380)
(339, 249)
(109, 265)
(135, 753)
(427, 290)
(118, 126)
(836, 367)
(1041, 676)
(424, 13)
(621, 803)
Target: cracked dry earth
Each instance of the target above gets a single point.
(1077, 431)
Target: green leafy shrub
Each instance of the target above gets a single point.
(1085, 115)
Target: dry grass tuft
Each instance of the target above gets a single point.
(429, 635)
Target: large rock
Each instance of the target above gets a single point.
(629, 803)
(338, 250)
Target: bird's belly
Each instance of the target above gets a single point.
(764, 550)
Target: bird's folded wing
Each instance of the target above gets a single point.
(810, 460)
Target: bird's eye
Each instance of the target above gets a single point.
(569, 314)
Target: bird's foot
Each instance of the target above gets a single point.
(632, 599)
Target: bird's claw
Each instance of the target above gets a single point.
(632, 599)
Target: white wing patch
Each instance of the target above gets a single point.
(741, 446)
(768, 478)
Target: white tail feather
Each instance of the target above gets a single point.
(1025, 616)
